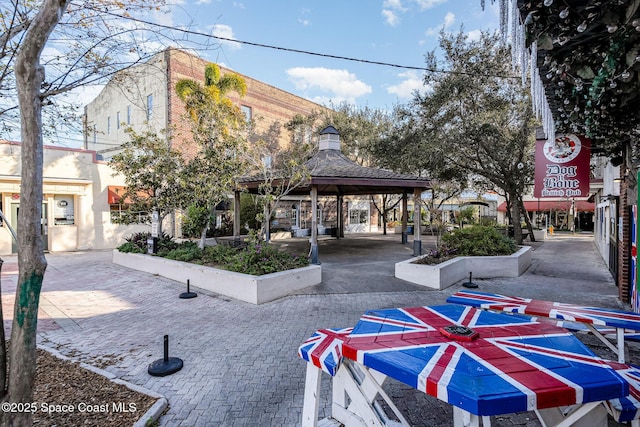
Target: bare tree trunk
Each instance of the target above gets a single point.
(32, 263)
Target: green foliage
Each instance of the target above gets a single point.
(152, 172)
(195, 221)
(186, 252)
(254, 257)
(478, 241)
(137, 243)
(250, 208)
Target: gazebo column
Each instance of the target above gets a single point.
(340, 215)
(314, 224)
(405, 240)
(417, 208)
(236, 215)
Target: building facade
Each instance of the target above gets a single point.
(144, 98)
(78, 189)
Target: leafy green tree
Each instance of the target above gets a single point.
(360, 129)
(153, 174)
(280, 169)
(474, 122)
(219, 130)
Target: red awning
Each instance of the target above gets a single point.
(556, 205)
(115, 193)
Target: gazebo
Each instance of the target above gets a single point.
(333, 174)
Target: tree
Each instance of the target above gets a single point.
(360, 129)
(218, 128)
(154, 177)
(280, 169)
(30, 76)
(27, 30)
(91, 42)
(474, 123)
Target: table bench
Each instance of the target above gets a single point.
(407, 344)
(592, 318)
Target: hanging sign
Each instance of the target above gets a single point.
(562, 167)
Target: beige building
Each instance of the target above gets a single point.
(78, 189)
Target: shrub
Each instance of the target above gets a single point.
(137, 243)
(251, 257)
(255, 258)
(185, 251)
(479, 241)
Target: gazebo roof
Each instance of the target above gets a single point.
(335, 174)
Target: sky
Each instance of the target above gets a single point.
(398, 32)
(391, 31)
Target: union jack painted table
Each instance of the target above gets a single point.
(490, 364)
(592, 317)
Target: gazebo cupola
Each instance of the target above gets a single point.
(329, 139)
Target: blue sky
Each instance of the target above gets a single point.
(390, 31)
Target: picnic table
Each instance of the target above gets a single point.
(480, 362)
(591, 317)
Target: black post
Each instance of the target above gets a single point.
(166, 348)
(470, 283)
(188, 294)
(167, 365)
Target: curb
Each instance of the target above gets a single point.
(152, 414)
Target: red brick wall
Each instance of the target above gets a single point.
(624, 245)
(269, 104)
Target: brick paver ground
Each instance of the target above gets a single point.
(240, 363)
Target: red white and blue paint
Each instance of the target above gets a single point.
(553, 310)
(515, 364)
(626, 408)
(324, 349)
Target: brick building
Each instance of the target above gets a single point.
(144, 97)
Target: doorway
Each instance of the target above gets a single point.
(44, 226)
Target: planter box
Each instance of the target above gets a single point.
(445, 274)
(245, 287)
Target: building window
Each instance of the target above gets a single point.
(247, 111)
(149, 106)
(109, 125)
(63, 210)
(128, 114)
(118, 120)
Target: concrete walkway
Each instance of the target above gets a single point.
(240, 362)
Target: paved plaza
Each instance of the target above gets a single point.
(240, 362)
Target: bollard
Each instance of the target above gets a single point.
(167, 365)
(470, 283)
(188, 294)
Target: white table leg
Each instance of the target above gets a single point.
(620, 334)
(311, 396)
(462, 418)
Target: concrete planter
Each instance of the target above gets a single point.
(245, 287)
(445, 274)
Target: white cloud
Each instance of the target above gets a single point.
(225, 31)
(394, 4)
(410, 83)
(304, 22)
(474, 35)
(390, 17)
(428, 4)
(341, 85)
(449, 20)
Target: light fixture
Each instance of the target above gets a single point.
(564, 13)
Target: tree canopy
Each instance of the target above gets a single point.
(219, 130)
(473, 125)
